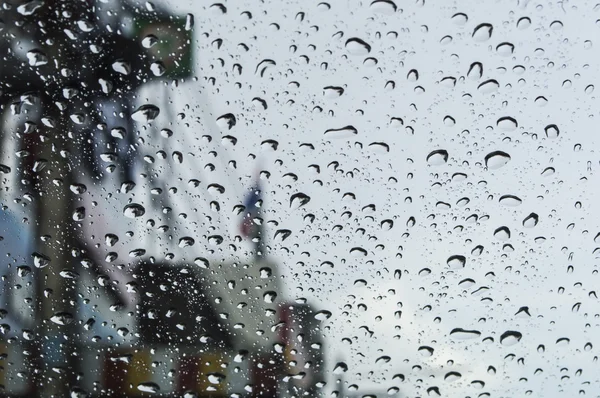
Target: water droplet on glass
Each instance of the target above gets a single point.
(137, 253)
(426, 351)
(215, 378)
(505, 49)
(149, 387)
(269, 297)
(62, 318)
(510, 200)
(149, 41)
(437, 157)
(263, 65)
(507, 123)
(37, 58)
(282, 234)
(218, 9)
(456, 261)
(488, 86)
(482, 32)
(323, 315)
(548, 171)
(523, 23)
(497, 159)
(510, 337)
(189, 22)
(531, 220)
(552, 131)
(556, 25)
(358, 252)
(226, 121)
(134, 210)
(121, 66)
(452, 376)
(502, 233)
(30, 7)
(186, 241)
(460, 19)
(463, 334)
(79, 214)
(343, 132)
(145, 113)
(383, 359)
(387, 7)
(40, 260)
(157, 68)
(298, 200)
(340, 368)
(332, 92)
(356, 46)
(541, 101)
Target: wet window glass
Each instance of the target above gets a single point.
(264, 199)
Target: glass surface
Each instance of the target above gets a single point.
(299, 199)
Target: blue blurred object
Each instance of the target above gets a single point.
(16, 245)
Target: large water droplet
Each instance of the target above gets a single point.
(426, 351)
(531, 220)
(475, 71)
(226, 121)
(145, 113)
(437, 157)
(263, 66)
(456, 261)
(507, 123)
(510, 337)
(523, 23)
(134, 210)
(495, 160)
(37, 58)
(215, 378)
(387, 7)
(186, 241)
(149, 41)
(62, 318)
(332, 92)
(552, 131)
(30, 7)
(502, 233)
(189, 22)
(452, 376)
(340, 368)
(460, 18)
(149, 387)
(323, 315)
(269, 297)
(157, 68)
(343, 132)
(510, 200)
(121, 66)
(505, 49)
(356, 46)
(40, 260)
(482, 32)
(488, 86)
(298, 200)
(463, 334)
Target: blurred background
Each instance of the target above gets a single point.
(303, 199)
(115, 281)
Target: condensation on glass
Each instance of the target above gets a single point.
(300, 199)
